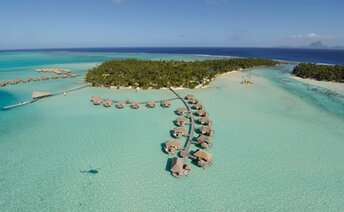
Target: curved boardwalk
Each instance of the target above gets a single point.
(186, 151)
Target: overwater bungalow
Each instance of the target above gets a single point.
(96, 100)
(193, 101)
(64, 76)
(39, 94)
(171, 146)
(54, 77)
(150, 104)
(181, 111)
(204, 141)
(203, 158)
(181, 121)
(179, 167)
(120, 105)
(197, 106)
(206, 130)
(44, 78)
(205, 121)
(179, 132)
(165, 104)
(73, 75)
(189, 97)
(16, 81)
(135, 105)
(202, 113)
(107, 103)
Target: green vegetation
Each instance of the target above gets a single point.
(158, 74)
(320, 72)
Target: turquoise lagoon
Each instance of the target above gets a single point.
(279, 145)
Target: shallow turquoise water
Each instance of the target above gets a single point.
(278, 145)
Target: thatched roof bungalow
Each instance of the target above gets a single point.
(120, 105)
(54, 77)
(179, 132)
(203, 158)
(135, 105)
(179, 167)
(204, 141)
(205, 121)
(73, 75)
(181, 111)
(197, 106)
(107, 103)
(193, 101)
(189, 97)
(165, 103)
(150, 104)
(39, 95)
(202, 113)
(206, 130)
(171, 146)
(181, 121)
(96, 100)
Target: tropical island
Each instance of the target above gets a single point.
(320, 72)
(162, 74)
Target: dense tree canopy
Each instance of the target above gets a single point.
(158, 74)
(320, 72)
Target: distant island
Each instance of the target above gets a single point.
(163, 74)
(315, 45)
(320, 72)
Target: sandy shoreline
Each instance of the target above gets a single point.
(335, 86)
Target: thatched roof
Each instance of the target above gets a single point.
(189, 96)
(166, 103)
(203, 155)
(179, 130)
(203, 138)
(107, 102)
(175, 143)
(181, 119)
(39, 94)
(151, 104)
(181, 110)
(204, 120)
(206, 129)
(177, 164)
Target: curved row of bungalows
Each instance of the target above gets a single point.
(206, 130)
(204, 141)
(120, 105)
(189, 97)
(96, 100)
(205, 121)
(165, 104)
(171, 146)
(107, 103)
(181, 121)
(202, 113)
(179, 132)
(203, 158)
(179, 167)
(150, 104)
(197, 106)
(54, 70)
(181, 111)
(135, 105)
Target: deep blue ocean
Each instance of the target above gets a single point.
(329, 56)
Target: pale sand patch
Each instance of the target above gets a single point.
(334, 86)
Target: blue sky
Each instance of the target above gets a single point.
(152, 23)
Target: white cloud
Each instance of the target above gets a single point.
(118, 1)
(312, 37)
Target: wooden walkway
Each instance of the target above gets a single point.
(185, 153)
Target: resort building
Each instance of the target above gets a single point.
(107, 103)
(96, 100)
(205, 121)
(203, 158)
(120, 105)
(54, 77)
(39, 95)
(179, 167)
(179, 132)
(74, 75)
(204, 141)
(165, 104)
(150, 104)
(189, 97)
(181, 121)
(198, 106)
(171, 146)
(202, 113)
(193, 101)
(135, 105)
(181, 111)
(206, 130)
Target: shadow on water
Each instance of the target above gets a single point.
(7, 99)
(168, 165)
(90, 171)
